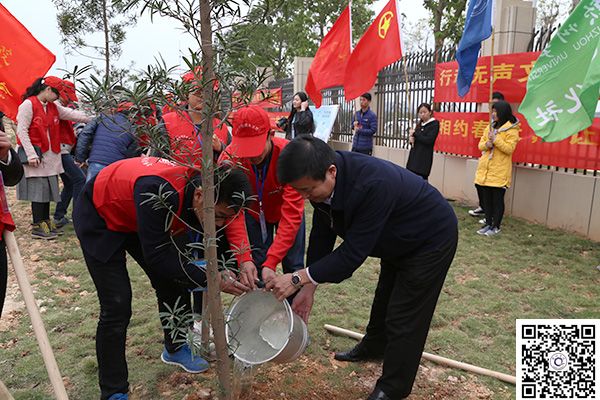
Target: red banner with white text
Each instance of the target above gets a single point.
(265, 98)
(510, 73)
(460, 133)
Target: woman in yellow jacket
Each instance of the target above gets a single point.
(494, 170)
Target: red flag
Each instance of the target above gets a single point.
(22, 60)
(327, 68)
(379, 47)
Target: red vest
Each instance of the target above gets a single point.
(67, 133)
(185, 141)
(113, 190)
(44, 124)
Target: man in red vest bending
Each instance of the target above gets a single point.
(279, 207)
(152, 209)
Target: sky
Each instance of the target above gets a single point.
(145, 41)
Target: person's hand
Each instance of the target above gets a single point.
(489, 144)
(411, 139)
(281, 286)
(5, 146)
(216, 143)
(355, 124)
(303, 302)
(231, 285)
(248, 274)
(268, 275)
(411, 131)
(81, 164)
(34, 163)
(304, 105)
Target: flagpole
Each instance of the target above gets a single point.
(409, 97)
(408, 94)
(491, 80)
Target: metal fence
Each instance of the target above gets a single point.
(287, 92)
(400, 88)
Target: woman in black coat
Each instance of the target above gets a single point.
(300, 121)
(422, 140)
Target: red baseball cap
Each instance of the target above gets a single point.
(251, 126)
(54, 82)
(195, 77)
(68, 90)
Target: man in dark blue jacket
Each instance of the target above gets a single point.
(364, 126)
(380, 210)
(105, 140)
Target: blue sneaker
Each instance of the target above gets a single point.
(184, 358)
(119, 396)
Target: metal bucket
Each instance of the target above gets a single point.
(260, 328)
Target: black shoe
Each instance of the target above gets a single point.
(358, 353)
(378, 394)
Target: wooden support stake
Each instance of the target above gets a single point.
(36, 318)
(447, 362)
(4, 393)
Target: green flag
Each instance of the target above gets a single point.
(564, 84)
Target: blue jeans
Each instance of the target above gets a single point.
(294, 259)
(73, 181)
(93, 169)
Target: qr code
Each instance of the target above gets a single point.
(558, 359)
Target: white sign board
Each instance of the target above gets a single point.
(324, 118)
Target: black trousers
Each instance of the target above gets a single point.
(405, 299)
(114, 293)
(3, 274)
(493, 204)
(480, 196)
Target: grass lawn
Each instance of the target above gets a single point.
(529, 271)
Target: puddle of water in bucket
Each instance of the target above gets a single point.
(274, 330)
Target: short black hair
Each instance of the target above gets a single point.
(232, 187)
(304, 157)
(497, 96)
(366, 96)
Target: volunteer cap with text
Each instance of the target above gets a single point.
(54, 82)
(68, 90)
(251, 125)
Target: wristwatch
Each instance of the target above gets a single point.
(296, 281)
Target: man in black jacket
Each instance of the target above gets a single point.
(12, 172)
(380, 210)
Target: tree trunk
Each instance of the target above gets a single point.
(208, 190)
(106, 40)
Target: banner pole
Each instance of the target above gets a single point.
(491, 80)
(36, 318)
(408, 94)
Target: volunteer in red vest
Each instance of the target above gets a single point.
(11, 172)
(278, 207)
(73, 177)
(124, 209)
(184, 126)
(38, 137)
